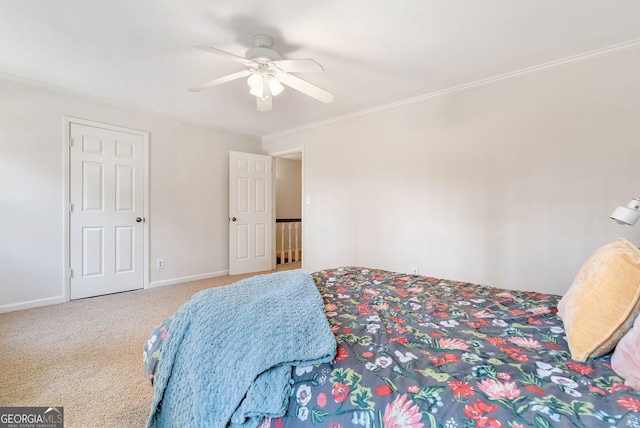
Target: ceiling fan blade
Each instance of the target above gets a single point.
(298, 65)
(305, 87)
(220, 80)
(229, 55)
(264, 104)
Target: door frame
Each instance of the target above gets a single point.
(66, 228)
(280, 154)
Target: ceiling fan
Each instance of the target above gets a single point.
(267, 72)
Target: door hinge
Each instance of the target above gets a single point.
(70, 273)
(70, 207)
(70, 141)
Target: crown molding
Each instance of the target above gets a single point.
(74, 93)
(567, 61)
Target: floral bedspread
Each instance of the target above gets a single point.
(415, 351)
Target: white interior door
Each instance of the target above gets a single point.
(106, 220)
(250, 213)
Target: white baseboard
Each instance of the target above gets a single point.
(187, 279)
(61, 299)
(32, 304)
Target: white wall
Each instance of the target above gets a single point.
(188, 191)
(508, 185)
(288, 188)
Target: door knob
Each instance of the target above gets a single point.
(138, 219)
(233, 219)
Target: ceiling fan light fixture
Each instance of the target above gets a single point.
(255, 81)
(275, 87)
(264, 85)
(258, 92)
(259, 88)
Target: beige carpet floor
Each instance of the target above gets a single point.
(86, 355)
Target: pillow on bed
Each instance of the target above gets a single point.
(603, 300)
(626, 357)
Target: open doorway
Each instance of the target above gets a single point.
(288, 208)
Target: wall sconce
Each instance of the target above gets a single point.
(628, 215)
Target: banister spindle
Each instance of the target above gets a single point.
(289, 247)
(296, 257)
(282, 242)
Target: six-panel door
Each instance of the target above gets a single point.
(106, 195)
(250, 213)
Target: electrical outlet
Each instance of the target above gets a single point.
(160, 264)
(415, 270)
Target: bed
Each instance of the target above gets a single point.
(416, 351)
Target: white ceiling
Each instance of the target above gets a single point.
(140, 53)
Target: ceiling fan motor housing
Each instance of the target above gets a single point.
(262, 49)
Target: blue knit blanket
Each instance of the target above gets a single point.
(228, 357)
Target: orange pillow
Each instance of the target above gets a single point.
(603, 300)
(626, 357)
